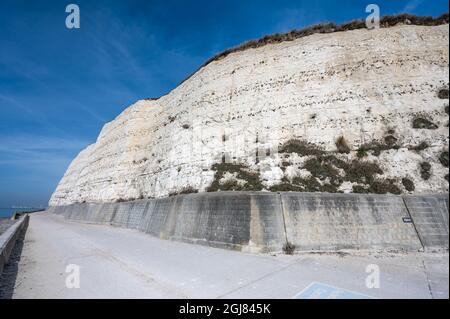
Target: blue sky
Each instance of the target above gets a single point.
(58, 86)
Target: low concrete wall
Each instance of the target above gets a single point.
(430, 217)
(264, 222)
(8, 239)
(333, 222)
(244, 221)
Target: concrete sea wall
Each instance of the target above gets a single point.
(430, 216)
(335, 222)
(265, 222)
(9, 238)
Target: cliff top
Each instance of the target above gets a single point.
(330, 27)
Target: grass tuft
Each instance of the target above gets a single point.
(342, 145)
(362, 152)
(289, 248)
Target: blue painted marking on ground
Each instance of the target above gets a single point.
(318, 290)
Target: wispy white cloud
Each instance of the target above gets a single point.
(30, 142)
(412, 5)
(16, 103)
(34, 150)
(32, 165)
(291, 19)
(114, 49)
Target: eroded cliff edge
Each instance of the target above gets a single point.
(384, 91)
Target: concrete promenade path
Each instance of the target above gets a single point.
(122, 263)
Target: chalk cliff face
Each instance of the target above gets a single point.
(385, 87)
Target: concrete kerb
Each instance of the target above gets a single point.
(8, 239)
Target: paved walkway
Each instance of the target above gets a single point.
(120, 263)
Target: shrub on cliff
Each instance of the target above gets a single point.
(423, 123)
(390, 140)
(362, 172)
(376, 147)
(320, 168)
(184, 191)
(242, 172)
(418, 148)
(286, 187)
(384, 187)
(425, 170)
(443, 94)
(408, 184)
(358, 189)
(302, 148)
(443, 158)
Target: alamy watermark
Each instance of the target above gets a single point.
(73, 19)
(373, 279)
(73, 277)
(373, 19)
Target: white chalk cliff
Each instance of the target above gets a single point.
(363, 85)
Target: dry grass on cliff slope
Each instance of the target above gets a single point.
(385, 22)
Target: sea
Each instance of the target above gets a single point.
(7, 212)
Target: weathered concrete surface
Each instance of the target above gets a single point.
(5, 223)
(123, 263)
(9, 237)
(430, 216)
(264, 222)
(333, 222)
(244, 221)
(247, 221)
